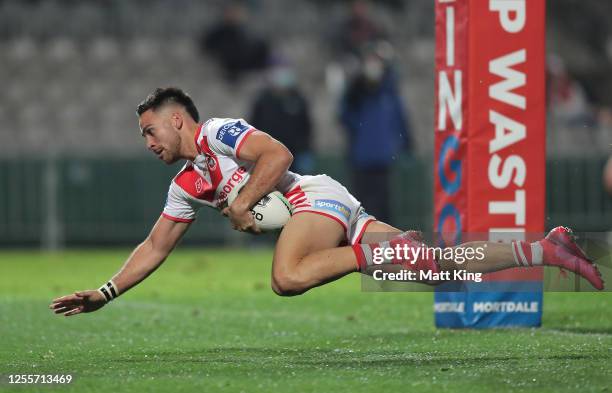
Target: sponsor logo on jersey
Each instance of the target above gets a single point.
(335, 206)
(229, 133)
(229, 185)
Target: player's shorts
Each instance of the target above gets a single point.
(323, 195)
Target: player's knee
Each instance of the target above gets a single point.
(287, 283)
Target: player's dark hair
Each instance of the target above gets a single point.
(164, 95)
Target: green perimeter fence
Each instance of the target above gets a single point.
(71, 201)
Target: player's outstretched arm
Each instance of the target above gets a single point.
(143, 261)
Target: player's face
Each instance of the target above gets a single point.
(161, 137)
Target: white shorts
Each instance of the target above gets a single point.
(323, 195)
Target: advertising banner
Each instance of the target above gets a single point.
(490, 132)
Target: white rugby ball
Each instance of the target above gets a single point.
(271, 213)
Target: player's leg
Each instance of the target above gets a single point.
(557, 249)
(497, 256)
(494, 257)
(380, 234)
(378, 231)
(375, 233)
(307, 254)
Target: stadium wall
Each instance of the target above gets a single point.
(111, 201)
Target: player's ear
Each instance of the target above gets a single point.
(177, 120)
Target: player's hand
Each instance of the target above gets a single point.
(78, 302)
(242, 220)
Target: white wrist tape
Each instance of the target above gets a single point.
(109, 291)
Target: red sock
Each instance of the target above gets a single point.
(360, 257)
(527, 254)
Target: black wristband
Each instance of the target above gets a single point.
(109, 291)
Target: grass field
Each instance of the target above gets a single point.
(207, 321)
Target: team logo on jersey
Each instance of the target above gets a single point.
(211, 163)
(229, 133)
(335, 206)
(199, 185)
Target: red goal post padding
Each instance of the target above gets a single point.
(490, 142)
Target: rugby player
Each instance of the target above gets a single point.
(328, 235)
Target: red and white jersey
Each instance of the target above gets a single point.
(208, 180)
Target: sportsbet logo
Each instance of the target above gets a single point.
(330, 204)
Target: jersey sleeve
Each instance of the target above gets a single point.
(178, 206)
(226, 136)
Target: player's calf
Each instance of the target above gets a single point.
(406, 250)
(558, 248)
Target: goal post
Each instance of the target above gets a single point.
(489, 157)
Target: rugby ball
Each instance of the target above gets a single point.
(271, 213)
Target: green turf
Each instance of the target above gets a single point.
(207, 321)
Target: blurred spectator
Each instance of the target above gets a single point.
(566, 97)
(281, 110)
(607, 176)
(584, 40)
(373, 115)
(236, 49)
(358, 29)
